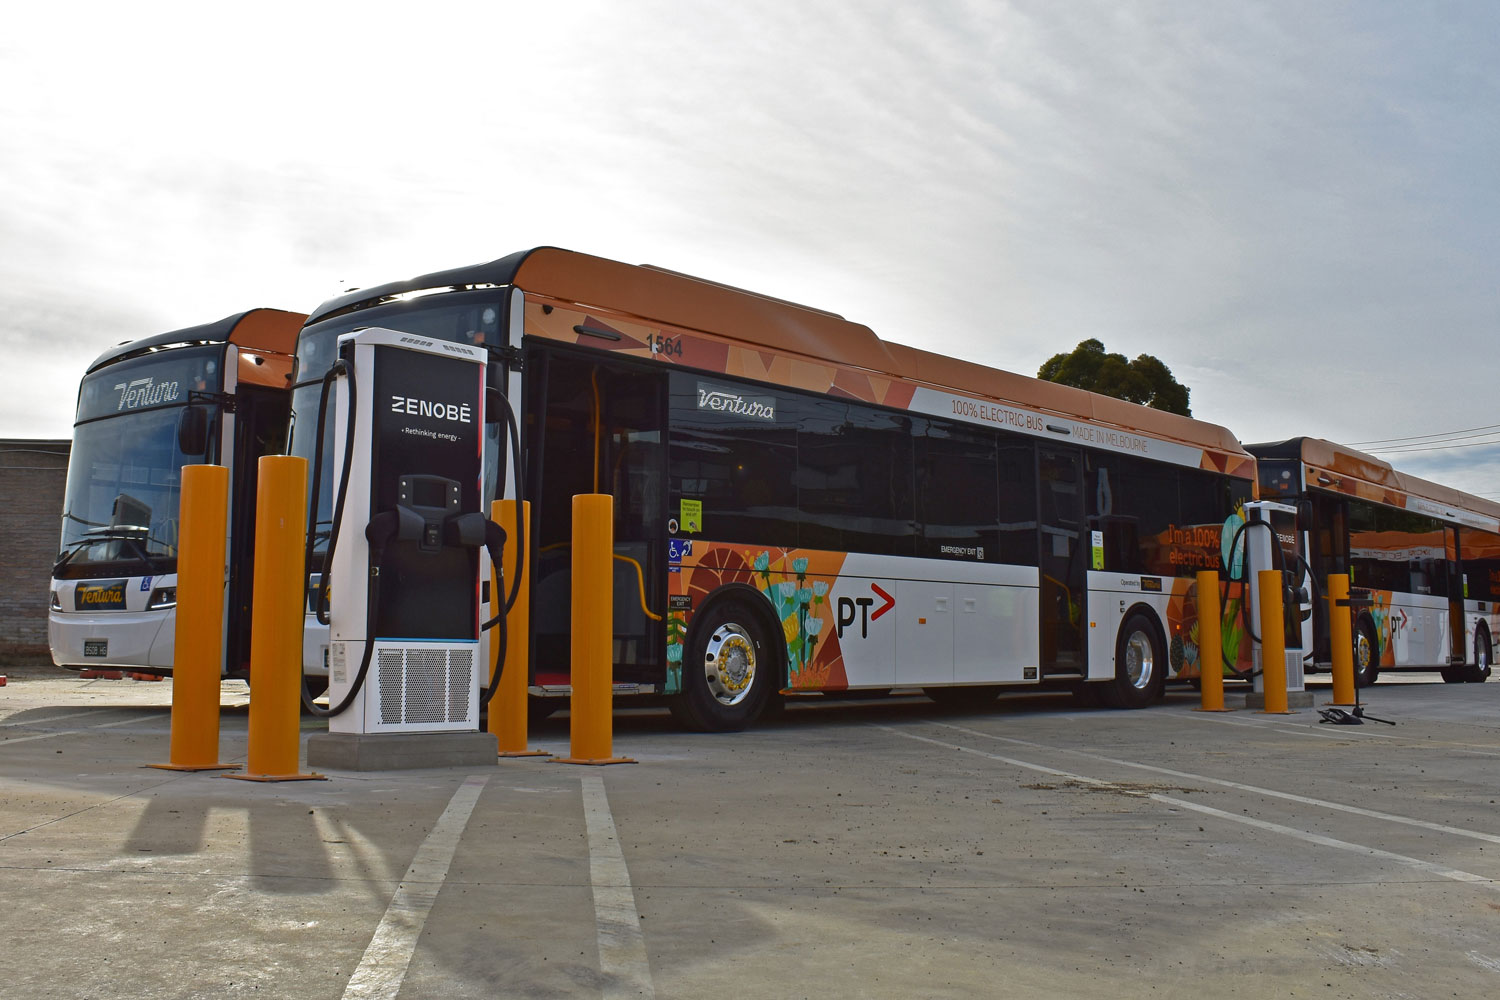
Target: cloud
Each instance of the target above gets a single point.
(1292, 206)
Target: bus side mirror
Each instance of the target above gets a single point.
(192, 430)
(492, 403)
(1304, 515)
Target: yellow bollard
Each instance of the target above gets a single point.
(1341, 638)
(1272, 642)
(198, 651)
(276, 622)
(591, 724)
(1210, 644)
(508, 707)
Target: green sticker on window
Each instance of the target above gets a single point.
(1097, 544)
(692, 516)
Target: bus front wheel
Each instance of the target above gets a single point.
(1140, 666)
(1366, 654)
(728, 669)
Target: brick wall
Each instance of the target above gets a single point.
(32, 477)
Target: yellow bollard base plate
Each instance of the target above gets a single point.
(194, 767)
(593, 761)
(277, 777)
(526, 753)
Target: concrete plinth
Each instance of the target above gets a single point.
(1257, 700)
(400, 751)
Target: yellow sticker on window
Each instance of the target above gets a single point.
(692, 516)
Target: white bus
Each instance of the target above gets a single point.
(217, 393)
(1423, 559)
(801, 507)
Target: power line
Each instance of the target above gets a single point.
(1411, 449)
(1424, 437)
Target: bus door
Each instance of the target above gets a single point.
(597, 425)
(260, 428)
(1063, 598)
(1327, 553)
(1458, 643)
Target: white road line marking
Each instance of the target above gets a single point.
(383, 967)
(622, 946)
(53, 718)
(75, 732)
(1456, 831)
(1363, 850)
(1270, 722)
(1322, 734)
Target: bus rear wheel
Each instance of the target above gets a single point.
(1366, 654)
(1480, 671)
(1140, 666)
(728, 669)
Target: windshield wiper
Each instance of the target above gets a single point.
(128, 533)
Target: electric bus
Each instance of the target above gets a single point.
(1423, 559)
(802, 507)
(217, 393)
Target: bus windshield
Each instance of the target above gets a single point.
(463, 318)
(120, 508)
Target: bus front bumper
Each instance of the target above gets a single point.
(129, 639)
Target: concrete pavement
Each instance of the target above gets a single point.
(861, 849)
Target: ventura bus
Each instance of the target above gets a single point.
(1423, 559)
(802, 507)
(214, 393)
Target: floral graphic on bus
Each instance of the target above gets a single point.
(676, 636)
(799, 603)
(795, 583)
(1188, 658)
(1387, 625)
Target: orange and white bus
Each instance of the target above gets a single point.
(802, 507)
(1423, 559)
(215, 393)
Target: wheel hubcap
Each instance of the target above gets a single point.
(1362, 652)
(729, 664)
(1140, 660)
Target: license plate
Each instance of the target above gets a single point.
(96, 647)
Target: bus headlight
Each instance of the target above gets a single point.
(162, 598)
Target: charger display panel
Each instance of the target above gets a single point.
(428, 419)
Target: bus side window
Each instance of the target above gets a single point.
(958, 505)
(854, 479)
(741, 469)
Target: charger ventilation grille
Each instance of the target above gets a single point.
(424, 685)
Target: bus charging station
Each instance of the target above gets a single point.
(404, 596)
(1273, 541)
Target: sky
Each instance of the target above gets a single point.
(1295, 206)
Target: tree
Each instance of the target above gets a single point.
(1145, 380)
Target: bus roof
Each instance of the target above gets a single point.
(270, 330)
(1342, 469)
(762, 322)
